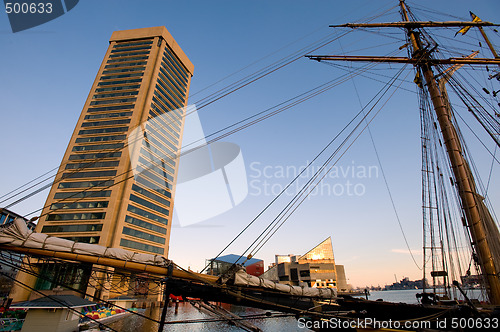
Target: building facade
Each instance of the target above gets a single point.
(115, 185)
(316, 268)
(7, 216)
(101, 195)
(222, 264)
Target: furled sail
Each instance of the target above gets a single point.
(241, 278)
(17, 234)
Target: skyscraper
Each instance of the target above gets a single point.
(115, 183)
(96, 198)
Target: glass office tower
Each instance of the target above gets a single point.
(102, 195)
(115, 185)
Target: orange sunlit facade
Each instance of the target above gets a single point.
(111, 190)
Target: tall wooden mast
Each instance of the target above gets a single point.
(483, 230)
(465, 183)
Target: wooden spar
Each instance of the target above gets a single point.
(363, 58)
(413, 24)
(486, 39)
(113, 262)
(463, 176)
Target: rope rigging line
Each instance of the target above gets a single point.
(491, 171)
(346, 68)
(285, 188)
(490, 124)
(227, 89)
(394, 79)
(275, 66)
(290, 183)
(284, 219)
(492, 154)
(118, 149)
(233, 87)
(419, 7)
(440, 224)
(459, 82)
(296, 100)
(284, 47)
(385, 179)
(275, 110)
(272, 228)
(27, 183)
(251, 80)
(440, 155)
(255, 62)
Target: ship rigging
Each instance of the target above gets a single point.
(442, 173)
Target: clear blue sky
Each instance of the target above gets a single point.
(46, 73)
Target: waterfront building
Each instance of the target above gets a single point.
(115, 185)
(222, 264)
(316, 268)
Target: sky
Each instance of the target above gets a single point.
(46, 73)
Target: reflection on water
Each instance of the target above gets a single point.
(186, 311)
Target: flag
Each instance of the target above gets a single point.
(464, 30)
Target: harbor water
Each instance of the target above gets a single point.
(180, 320)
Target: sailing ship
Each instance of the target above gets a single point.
(316, 305)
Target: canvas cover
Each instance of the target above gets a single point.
(242, 278)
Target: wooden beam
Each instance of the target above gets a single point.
(413, 25)
(112, 262)
(449, 61)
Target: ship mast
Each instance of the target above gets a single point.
(465, 183)
(484, 233)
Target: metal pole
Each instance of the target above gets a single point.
(165, 299)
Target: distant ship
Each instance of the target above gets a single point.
(406, 283)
